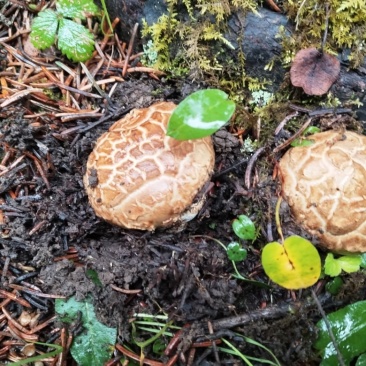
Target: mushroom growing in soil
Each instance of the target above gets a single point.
(325, 187)
(139, 178)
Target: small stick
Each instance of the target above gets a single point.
(251, 162)
(293, 137)
(124, 291)
(278, 220)
(39, 167)
(129, 50)
(213, 343)
(284, 121)
(329, 328)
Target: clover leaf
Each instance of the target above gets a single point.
(236, 252)
(244, 227)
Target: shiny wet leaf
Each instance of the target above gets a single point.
(94, 345)
(349, 327)
(200, 114)
(75, 41)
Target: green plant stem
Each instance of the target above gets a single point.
(237, 274)
(277, 216)
(106, 14)
(145, 315)
(237, 352)
(211, 238)
(57, 350)
(142, 345)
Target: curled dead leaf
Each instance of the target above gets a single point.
(314, 71)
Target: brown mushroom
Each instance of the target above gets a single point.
(325, 186)
(139, 178)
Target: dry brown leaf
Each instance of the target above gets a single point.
(314, 71)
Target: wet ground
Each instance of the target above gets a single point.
(184, 275)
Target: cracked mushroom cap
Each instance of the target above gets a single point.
(139, 178)
(325, 186)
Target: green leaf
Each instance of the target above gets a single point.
(244, 227)
(361, 361)
(348, 263)
(331, 266)
(302, 142)
(349, 328)
(76, 9)
(295, 264)
(334, 286)
(363, 260)
(44, 29)
(236, 252)
(93, 276)
(200, 114)
(311, 130)
(75, 41)
(95, 344)
(159, 346)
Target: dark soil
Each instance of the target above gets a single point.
(181, 274)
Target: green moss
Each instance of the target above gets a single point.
(347, 26)
(189, 38)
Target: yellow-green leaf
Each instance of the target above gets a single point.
(295, 264)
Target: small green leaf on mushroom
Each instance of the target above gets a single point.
(200, 114)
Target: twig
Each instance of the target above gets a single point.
(293, 137)
(329, 328)
(250, 166)
(272, 312)
(284, 121)
(278, 220)
(125, 291)
(129, 49)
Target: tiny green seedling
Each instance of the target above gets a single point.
(303, 141)
(201, 114)
(73, 39)
(244, 228)
(236, 252)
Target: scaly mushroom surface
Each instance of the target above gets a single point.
(139, 178)
(325, 186)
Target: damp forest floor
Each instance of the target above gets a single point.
(52, 242)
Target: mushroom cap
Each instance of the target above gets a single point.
(324, 184)
(139, 178)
